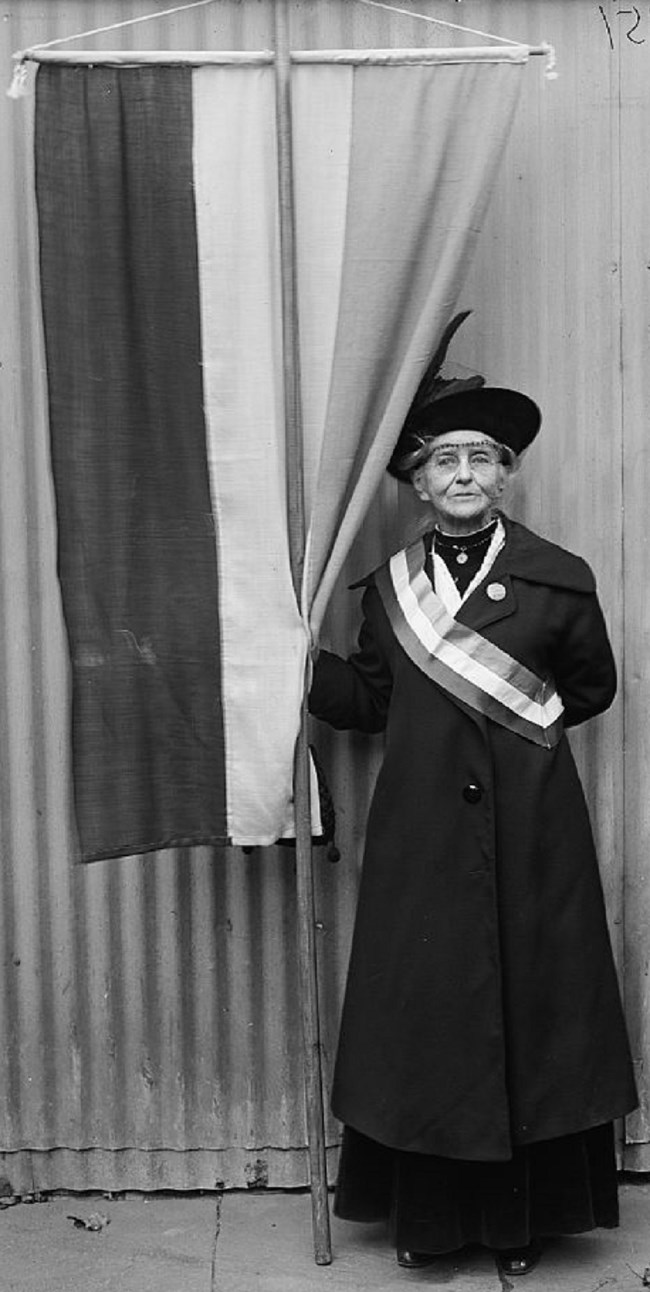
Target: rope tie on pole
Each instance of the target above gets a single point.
(544, 48)
(18, 87)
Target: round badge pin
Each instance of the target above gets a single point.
(496, 591)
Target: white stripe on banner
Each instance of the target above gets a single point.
(263, 638)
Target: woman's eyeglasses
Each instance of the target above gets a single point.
(481, 459)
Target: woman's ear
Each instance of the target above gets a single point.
(503, 480)
(419, 483)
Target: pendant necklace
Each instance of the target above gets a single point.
(461, 549)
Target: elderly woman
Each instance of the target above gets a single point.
(483, 1054)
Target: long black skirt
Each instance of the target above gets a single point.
(436, 1205)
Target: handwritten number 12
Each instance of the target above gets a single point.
(635, 13)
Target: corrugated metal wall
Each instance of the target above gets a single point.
(149, 1024)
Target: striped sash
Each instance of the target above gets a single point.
(460, 660)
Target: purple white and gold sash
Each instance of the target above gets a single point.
(460, 660)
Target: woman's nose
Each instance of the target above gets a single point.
(463, 472)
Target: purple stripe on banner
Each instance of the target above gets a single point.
(453, 683)
(137, 558)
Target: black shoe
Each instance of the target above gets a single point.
(519, 1260)
(413, 1260)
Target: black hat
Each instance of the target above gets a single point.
(440, 405)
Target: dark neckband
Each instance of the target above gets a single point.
(465, 542)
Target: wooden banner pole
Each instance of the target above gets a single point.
(296, 518)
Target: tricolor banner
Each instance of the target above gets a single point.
(160, 276)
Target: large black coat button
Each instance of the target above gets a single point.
(472, 793)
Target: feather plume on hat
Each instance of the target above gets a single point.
(443, 404)
(432, 386)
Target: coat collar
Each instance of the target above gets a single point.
(530, 558)
(524, 556)
(536, 560)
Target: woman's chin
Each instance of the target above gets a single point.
(466, 512)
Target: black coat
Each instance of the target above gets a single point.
(482, 1008)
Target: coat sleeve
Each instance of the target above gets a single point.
(355, 692)
(583, 664)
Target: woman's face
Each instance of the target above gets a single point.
(463, 480)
